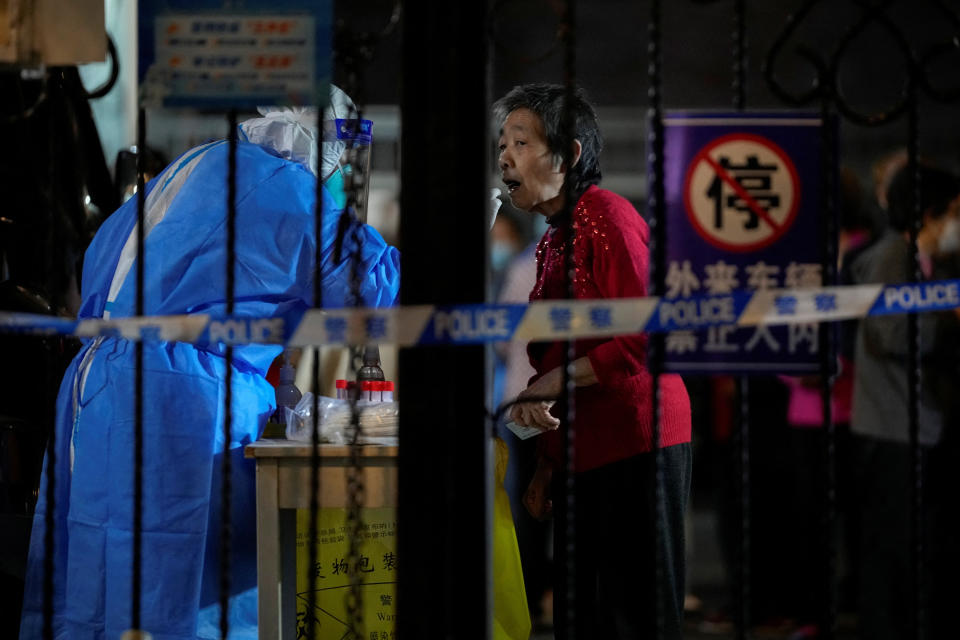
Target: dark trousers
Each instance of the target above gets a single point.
(615, 549)
(806, 543)
(886, 587)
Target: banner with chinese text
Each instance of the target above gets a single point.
(743, 212)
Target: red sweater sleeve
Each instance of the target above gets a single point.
(616, 237)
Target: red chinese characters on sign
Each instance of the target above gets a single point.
(263, 27)
(272, 62)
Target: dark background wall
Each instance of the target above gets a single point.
(612, 64)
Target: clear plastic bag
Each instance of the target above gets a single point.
(378, 421)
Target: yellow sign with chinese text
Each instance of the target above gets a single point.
(376, 565)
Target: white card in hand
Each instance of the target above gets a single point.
(523, 432)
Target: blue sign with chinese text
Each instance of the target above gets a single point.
(234, 54)
(742, 205)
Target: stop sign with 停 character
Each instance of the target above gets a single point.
(743, 198)
(742, 192)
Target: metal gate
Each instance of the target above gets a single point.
(444, 587)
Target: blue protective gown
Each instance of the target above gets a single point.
(184, 397)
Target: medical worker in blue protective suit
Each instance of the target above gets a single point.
(184, 399)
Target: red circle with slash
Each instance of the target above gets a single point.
(770, 227)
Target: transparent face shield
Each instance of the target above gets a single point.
(353, 167)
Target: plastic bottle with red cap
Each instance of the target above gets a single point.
(366, 390)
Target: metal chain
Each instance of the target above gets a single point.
(356, 491)
(568, 514)
(914, 382)
(352, 51)
(742, 437)
(829, 171)
(739, 55)
(354, 187)
(658, 250)
(356, 498)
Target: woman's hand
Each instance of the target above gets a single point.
(536, 412)
(537, 497)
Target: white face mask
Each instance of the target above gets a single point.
(949, 239)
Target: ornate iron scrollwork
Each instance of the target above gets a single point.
(827, 83)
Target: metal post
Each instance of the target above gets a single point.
(828, 622)
(741, 449)
(658, 271)
(742, 438)
(914, 380)
(566, 517)
(444, 470)
(138, 393)
(225, 498)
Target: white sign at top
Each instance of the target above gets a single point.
(219, 54)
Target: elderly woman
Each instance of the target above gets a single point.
(615, 543)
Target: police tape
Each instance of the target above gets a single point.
(536, 321)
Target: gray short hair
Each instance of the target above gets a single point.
(547, 101)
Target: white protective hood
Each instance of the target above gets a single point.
(292, 132)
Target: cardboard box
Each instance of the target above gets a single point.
(52, 32)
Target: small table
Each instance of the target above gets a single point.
(283, 486)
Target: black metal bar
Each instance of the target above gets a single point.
(314, 470)
(51, 472)
(566, 527)
(829, 171)
(743, 383)
(315, 388)
(48, 535)
(913, 380)
(444, 468)
(138, 394)
(49, 520)
(51, 456)
(741, 450)
(739, 55)
(658, 271)
(226, 503)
